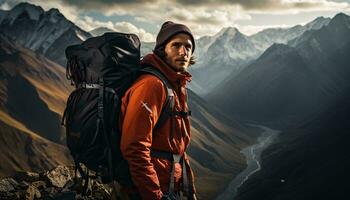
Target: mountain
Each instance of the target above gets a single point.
(32, 95)
(219, 56)
(265, 38)
(291, 82)
(32, 84)
(100, 31)
(229, 51)
(215, 147)
(308, 162)
(47, 33)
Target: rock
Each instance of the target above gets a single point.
(26, 176)
(8, 185)
(61, 196)
(100, 191)
(59, 176)
(24, 185)
(39, 184)
(69, 185)
(32, 192)
(56, 184)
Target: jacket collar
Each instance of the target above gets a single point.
(174, 77)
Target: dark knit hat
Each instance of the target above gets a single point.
(168, 30)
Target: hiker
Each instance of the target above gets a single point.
(155, 153)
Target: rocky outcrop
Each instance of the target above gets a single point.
(56, 184)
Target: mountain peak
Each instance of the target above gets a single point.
(318, 23)
(340, 19)
(54, 15)
(31, 10)
(24, 6)
(54, 10)
(230, 31)
(342, 15)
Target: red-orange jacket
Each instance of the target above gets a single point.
(140, 110)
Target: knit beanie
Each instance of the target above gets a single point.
(168, 30)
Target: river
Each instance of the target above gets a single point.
(252, 154)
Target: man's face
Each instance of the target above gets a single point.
(178, 52)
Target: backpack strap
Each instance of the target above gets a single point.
(169, 102)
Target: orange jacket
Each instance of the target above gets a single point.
(140, 110)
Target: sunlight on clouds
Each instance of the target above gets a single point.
(88, 23)
(127, 27)
(203, 17)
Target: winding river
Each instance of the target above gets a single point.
(252, 154)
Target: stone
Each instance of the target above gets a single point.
(8, 185)
(59, 176)
(32, 193)
(61, 196)
(26, 176)
(39, 184)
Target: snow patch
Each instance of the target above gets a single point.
(80, 35)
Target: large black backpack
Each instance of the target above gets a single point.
(102, 69)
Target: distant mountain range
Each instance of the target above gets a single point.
(228, 51)
(225, 54)
(288, 83)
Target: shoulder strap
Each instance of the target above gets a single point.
(169, 102)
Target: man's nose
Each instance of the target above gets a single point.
(182, 51)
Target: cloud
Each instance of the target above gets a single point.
(127, 27)
(88, 23)
(106, 4)
(203, 17)
(267, 5)
(256, 5)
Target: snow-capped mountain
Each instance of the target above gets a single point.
(291, 82)
(227, 45)
(229, 51)
(219, 56)
(264, 39)
(47, 33)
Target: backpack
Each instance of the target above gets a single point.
(102, 69)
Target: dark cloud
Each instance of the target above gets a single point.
(252, 4)
(93, 4)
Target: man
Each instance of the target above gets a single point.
(156, 156)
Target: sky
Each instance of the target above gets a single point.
(203, 17)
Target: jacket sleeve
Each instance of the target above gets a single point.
(145, 102)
